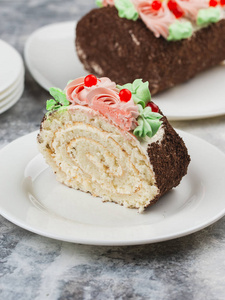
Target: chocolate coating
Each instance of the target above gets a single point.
(124, 50)
(169, 158)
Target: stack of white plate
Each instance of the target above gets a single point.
(11, 76)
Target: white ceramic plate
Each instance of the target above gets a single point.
(11, 65)
(12, 98)
(13, 87)
(50, 55)
(51, 58)
(201, 97)
(34, 200)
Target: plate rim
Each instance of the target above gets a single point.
(21, 69)
(89, 241)
(27, 47)
(14, 86)
(13, 101)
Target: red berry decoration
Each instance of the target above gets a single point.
(172, 5)
(213, 3)
(176, 10)
(222, 2)
(90, 80)
(178, 13)
(156, 5)
(125, 95)
(153, 106)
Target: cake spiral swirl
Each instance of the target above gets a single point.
(91, 154)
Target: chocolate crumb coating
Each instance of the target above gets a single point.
(124, 50)
(169, 158)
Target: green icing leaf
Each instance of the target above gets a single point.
(148, 122)
(59, 96)
(142, 129)
(180, 30)
(142, 94)
(56, 107)
(155, 124)
(99, 3)
(148, 114)
(50, 104)
(140, 91)
(128, 86)
(208, 15)
(59, 101)
(126, 9)
(137, 83)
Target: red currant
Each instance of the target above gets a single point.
(153, 106)
(222, 2)
(213, 3)
(178, 13)
(125, 95)
(176, 10)
(172, 5)
(156, 5)
(90, 80)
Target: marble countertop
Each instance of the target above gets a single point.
(35, 267)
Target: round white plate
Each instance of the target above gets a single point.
(51, 58)
(34, 200)
(13, 87)
(11, 65)
(12, 96)
(12, 99)
(200, 97)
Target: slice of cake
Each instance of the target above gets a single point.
(112, 141)
(163, 42)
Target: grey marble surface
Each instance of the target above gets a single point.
(35, 267)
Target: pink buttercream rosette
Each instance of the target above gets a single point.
(158, 21)
(76, 91)
(192, 7)
(104, 98)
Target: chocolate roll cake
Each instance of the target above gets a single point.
(112, 141)
(163, 42)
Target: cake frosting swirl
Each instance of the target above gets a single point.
(158, 21)
(162, 16)
(192, 7)
(129, 106)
